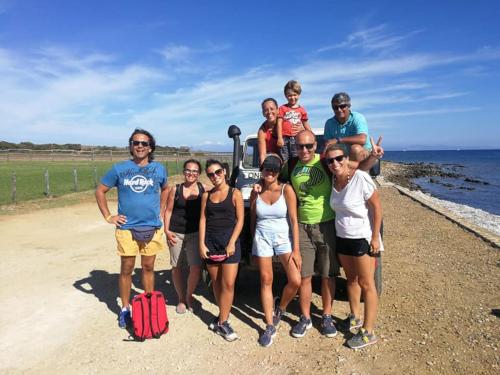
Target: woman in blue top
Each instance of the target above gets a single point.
(271, 210)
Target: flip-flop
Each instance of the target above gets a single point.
(180, 309)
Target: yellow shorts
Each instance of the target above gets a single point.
(127, 246)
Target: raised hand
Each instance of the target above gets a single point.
(377, 149)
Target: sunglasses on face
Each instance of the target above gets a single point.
(217, 172)
(308, 146)
(338, 159)
(142, 143)
(340, 106)
(271, 170)
(191, 171)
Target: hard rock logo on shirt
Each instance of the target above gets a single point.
(316, 177)
(138, 183)
(293, 117)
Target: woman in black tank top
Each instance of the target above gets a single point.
(182, 218)
(221, 222)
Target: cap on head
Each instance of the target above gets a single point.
(272, 162)
(341, 98)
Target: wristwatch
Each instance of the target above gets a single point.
(338, 139)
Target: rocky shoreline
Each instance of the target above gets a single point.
(404, 174)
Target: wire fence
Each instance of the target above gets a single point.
(34, 174)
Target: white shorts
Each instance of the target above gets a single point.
(269, 243)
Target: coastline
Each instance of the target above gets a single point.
(484, 224)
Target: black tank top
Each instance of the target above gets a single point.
(220, 216)
(186, 213)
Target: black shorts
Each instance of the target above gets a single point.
(217, 242)
(354, 247)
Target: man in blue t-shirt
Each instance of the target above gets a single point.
(142, 195)
(348, 127)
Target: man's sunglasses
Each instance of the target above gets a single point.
(218, 172)
(338, 159)
(300, 146)
(142, 143)
(191, 171)
(340, 106)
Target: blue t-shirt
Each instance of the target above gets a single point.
(139, 191)
(355, 124)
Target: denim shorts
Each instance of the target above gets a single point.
(269, 243)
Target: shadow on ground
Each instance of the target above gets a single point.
(246, 307)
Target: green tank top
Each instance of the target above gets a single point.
(313, 187)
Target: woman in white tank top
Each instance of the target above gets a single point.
(271, 212)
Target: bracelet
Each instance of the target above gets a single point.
(108, 217)
(338, 140)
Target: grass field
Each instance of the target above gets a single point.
(30, 177)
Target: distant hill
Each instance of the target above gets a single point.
(4, 145)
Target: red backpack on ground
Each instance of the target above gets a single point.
(149, 315)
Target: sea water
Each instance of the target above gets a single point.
(471, 198)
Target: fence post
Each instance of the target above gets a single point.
(14, 187)
(75, 180)
(8, 155)
(95, 175)
(177, 161)
(47, 183)
(111, 155)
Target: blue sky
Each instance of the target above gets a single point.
(426, 74)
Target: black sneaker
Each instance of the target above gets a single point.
(278, 313)
(327, 327)
(266, 339)
(225, 330)
(301, 327)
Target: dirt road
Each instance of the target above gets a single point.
(59, 287)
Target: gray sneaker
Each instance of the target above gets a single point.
(327, 327)
(301, 327)
(225, 330)
(266, 339)
(278, 313)
(362, 339)
(351, 323)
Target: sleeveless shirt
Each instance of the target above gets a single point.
(186, 213)
(220, 216)
(272, 217)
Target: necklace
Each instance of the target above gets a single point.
(338, 183)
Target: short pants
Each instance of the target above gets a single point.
(317, 248)
(186, 251)
(354, 247)
(217, 242)
(269, 243)
(127, 246)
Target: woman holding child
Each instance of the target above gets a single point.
(270, 210)
(221, 222)
(358, 218)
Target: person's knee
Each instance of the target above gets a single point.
(266, 279)
(366, 283)
(148, 267)
(358, 153)
(294, 281)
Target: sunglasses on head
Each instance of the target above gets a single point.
(191, 171)
(338, 159)
(308, 146)
(217, 172)
(142, 143)
(340, 106)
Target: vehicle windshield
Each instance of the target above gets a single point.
(251, 151)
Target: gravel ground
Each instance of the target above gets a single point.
(59, 273)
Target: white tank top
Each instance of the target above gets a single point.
(272, 216)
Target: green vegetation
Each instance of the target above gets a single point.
(30, 177)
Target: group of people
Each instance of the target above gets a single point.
(309, 210)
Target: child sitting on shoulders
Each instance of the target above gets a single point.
(292, 118)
